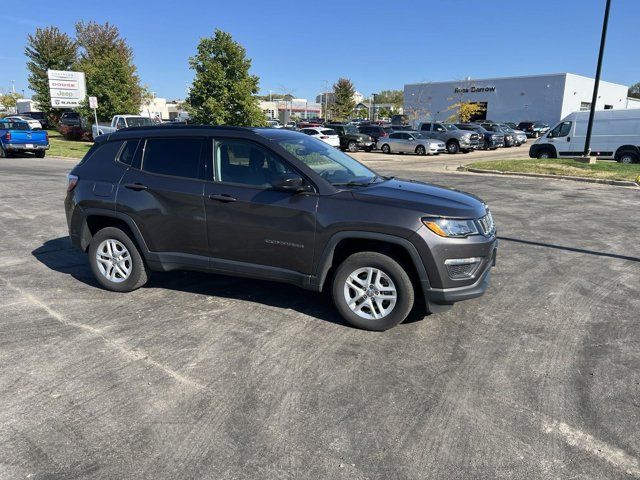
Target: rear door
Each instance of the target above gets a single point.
(162, 191)
(248, 221)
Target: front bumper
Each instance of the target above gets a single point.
(472, 144)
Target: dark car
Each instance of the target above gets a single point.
(278, 205)
(509, 135)
(350, 138)
(70, 119)
(40, 116)
(488, 140)
(533, 129)
(375, 131)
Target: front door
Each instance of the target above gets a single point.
(162, 192)
(561, 139)
(250, 222)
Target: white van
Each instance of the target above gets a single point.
(616, 134)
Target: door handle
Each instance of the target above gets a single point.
(222, 197)
(136, 186)
(568, 139)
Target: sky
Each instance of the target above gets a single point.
(298, 47)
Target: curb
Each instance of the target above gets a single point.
(617, 183)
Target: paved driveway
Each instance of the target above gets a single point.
(199, 376)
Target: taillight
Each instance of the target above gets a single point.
(7, 135)
(384, 134)
(72, 181)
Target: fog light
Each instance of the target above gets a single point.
(461, 268)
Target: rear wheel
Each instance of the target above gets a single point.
(420, 150)
(116, 261)
(40, 153)
(628, 157)
(385, 148)
(372, 291)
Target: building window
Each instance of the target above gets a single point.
(584, 106)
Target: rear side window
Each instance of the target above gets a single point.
(426, 127)
(103, 152)
(128, 152)
(178, 157)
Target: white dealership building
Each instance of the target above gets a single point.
(546, 98)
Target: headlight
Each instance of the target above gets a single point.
(466, 137)
(451, 227)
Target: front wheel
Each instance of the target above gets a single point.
(420, 150)
(628, 158)
(453, 147)
(385, 148)
(116, 261)
(372, 291)
(544, 154)
(352, 146)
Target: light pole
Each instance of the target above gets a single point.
(594, 99)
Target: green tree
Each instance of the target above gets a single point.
(107, 61)
(223, 91)
(48, 48)
(394, 97)
(8, 100)
(634, 91)
(343, 103)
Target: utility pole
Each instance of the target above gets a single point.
(594, 99)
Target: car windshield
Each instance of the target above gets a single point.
(328, 162)
(139, 121)
(351, 129)
(450, 126)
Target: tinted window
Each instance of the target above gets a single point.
(103, 152)
(328, 132)
(426, 127)
(562, 130)
(240, 161)
(128, 152)
(395, 135)
(179, 157)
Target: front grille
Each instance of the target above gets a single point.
(474, 136)
(487, 226)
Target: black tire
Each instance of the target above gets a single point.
(385, 148)
(485, 145)
(352, 146)
(139, 271)
(3, 154)
(368, 149)
(627, 157)
(544, 154)
(390, 268)
(40, 153)
(453, 146)
(536, 134)
(420, 150)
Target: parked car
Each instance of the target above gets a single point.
(411, 142)
(350, 138)
(455, 139)
(402, 128)
(533, 129)
(19, 136)
(274, 124)
(400, 120)
(39, 116)
(121, 121)
(327, 135)
(375, 131)
(71, 119)
(33, 124)
(488, 140)
(520, 136)
(277, 205)
(615, 135)
(510, 139)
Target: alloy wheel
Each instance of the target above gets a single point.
(370, 293)
(113, 260)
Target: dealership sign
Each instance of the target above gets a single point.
(474, 89)
(67, 89)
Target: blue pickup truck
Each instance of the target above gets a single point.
(19, 137)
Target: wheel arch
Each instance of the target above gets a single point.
(97, 219)
(343, 244)
(626, 148)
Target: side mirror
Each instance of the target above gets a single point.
(550, 135)
(290, 182)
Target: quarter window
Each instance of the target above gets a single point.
(128, 152)
(179, 157)
(239, 161)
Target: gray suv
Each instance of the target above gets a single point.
(455, 139)
(278, 205)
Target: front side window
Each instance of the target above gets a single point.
(247, 163)
(395, 135)
(438, 127)
(178, 157)
(120, 124)
(426, 127)
(561, 130)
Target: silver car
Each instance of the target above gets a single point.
(411, 142)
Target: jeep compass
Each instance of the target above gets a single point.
(278, 205)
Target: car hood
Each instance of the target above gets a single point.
(424, 197)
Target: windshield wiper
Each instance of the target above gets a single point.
(351, 184)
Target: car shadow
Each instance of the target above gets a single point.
(59, 255)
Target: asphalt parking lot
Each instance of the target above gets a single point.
(201, 376)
